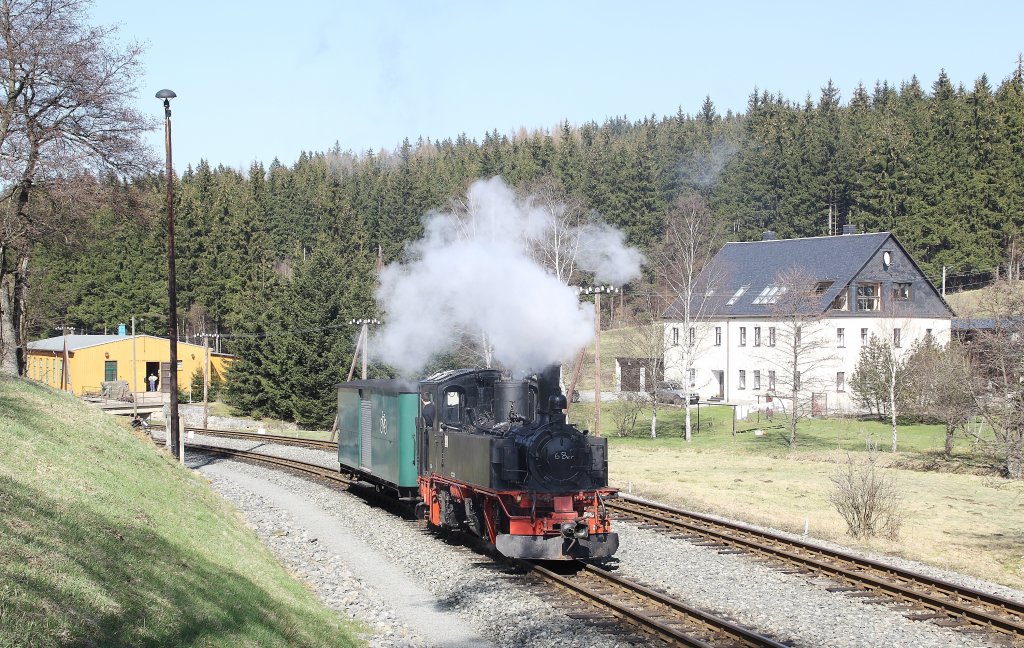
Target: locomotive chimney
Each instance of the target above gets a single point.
(548, 384)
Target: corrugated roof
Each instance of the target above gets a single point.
(76, 342)
(756, 264)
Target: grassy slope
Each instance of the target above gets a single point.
(954, 518)
(104, 542)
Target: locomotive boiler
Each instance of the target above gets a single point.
(498, 459)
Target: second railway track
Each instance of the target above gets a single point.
(925, 598)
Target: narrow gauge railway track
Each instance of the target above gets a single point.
(673, 622)
(316, 444)
(280, 462)
(655, 614)
(925, 598)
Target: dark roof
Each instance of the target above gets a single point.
(986, 323)
(756, 264)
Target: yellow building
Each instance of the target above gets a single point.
(94, 359)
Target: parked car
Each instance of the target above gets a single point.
(670, 391)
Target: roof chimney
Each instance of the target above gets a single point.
(768, 236)
(849, 229)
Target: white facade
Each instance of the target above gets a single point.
(735, 359)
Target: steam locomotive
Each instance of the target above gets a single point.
(498, 460)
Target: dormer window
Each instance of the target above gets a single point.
(841, 301)
(822, 286)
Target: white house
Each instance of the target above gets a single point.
(855, 286)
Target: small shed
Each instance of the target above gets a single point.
(93, 360)
(636, 374)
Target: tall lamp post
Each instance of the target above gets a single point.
(172, 297)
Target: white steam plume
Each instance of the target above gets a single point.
(474, 275)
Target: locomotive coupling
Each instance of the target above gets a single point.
(575, 530)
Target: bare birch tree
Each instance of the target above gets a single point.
(65, 113)
(646, 341)
(802, 349)
(998, 372)
(692, 238)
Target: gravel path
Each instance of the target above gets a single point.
(378, 554)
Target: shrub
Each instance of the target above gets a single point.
(867, 499)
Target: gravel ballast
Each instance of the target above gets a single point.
(378, 553)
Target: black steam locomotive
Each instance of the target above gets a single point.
(498, 459)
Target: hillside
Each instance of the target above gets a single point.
(105, 542)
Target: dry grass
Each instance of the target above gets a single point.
(967, 523)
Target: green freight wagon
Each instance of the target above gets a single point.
(377, 432)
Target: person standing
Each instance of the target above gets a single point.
(427, 411)
(152, 382)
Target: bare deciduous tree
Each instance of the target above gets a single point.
(802, 350)
(646, 340)
(693, 235)
(939, 375)
(65, 115)
(998, 373)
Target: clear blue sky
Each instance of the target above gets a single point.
(258, 80)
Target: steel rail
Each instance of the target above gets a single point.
(644, 619)
(653, 612)
(301, 466)
(990, 611)
(268, 438)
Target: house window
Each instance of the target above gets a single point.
(868, 295)
(743, 336)
(675, 336)
(743, 379)
(841, 301)
(757, 379)
(896, 338)
(771, 380)
(110, 370)
(736, 295)
(771, 336)
(840, 381)
(693, 377)
(693, 336)
(840, 338)
(863, 336)
(901, 292)
(757, 336)
(718, 336)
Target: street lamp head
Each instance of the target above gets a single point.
(166, 94)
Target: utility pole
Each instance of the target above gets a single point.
(65, 373)
(135, 392)
(206, 381)
(597, 291)
(943, 280)
(364, 334)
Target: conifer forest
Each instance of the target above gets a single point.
(277, 258)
